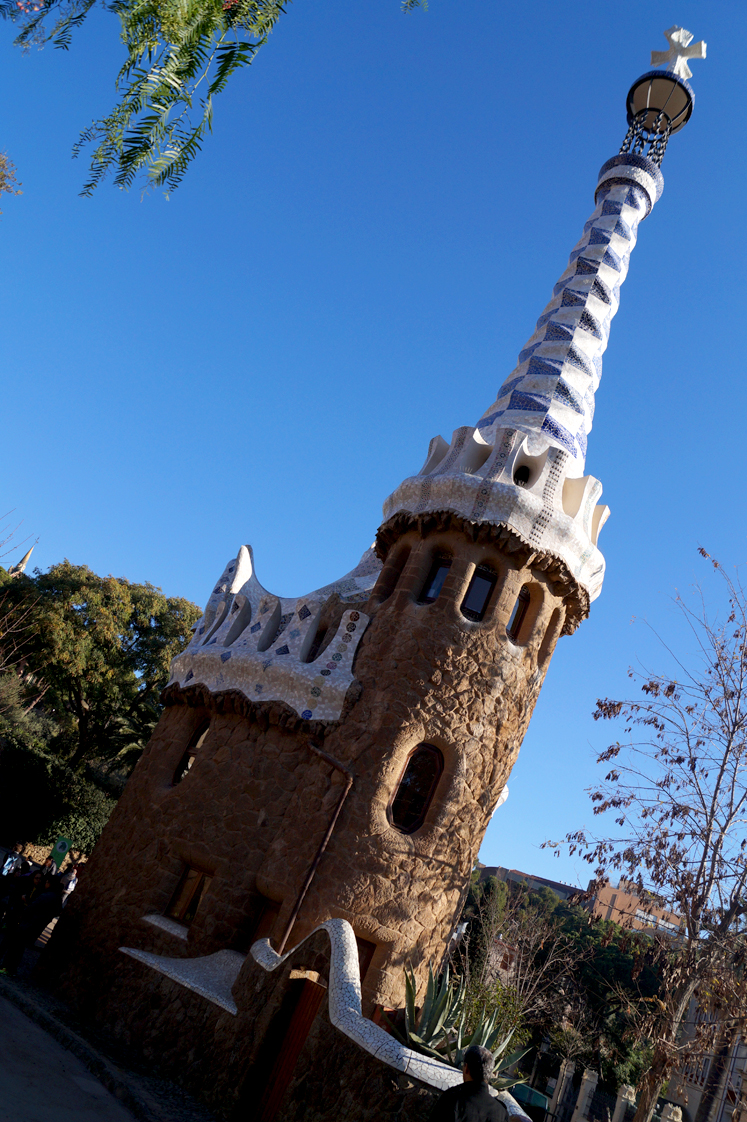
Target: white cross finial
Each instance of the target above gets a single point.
(675, 59)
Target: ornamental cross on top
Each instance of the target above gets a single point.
(679, 52)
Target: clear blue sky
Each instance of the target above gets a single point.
(351, 267)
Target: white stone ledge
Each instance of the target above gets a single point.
(211, 976)
(176, 929)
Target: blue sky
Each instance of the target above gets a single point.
(351, 267)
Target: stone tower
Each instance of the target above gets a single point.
(340, 755)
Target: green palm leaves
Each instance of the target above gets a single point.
(180, 55)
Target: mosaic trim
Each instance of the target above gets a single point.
(556, 461)
(455, 450)
(504, 446)
(346, 1015)
(543, 525)
(251, 641)
(213, 977)
(552, 389)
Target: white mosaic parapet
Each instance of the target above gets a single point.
(257, 644)
(212, 976)
(345, 1012)
(551, 391)
(554, 512)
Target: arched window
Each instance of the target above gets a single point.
(416, 788)
(195, 743)
(475, 602)
(518, 615)
(435, 580)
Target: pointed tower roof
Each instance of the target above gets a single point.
(19, 567)
(521, 469)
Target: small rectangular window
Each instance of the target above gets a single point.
(435, 581)
(478, 594)
(513, 627)
(366, 951)
(189, 892)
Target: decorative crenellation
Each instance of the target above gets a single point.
(263, 645)
(551, 511)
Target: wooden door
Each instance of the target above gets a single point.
(292, 1041)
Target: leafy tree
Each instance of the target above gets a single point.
(41, 798)
(515, 957)
(83, 659)
(676, 788)
(558, 975)
(102, 647)
(180, 55)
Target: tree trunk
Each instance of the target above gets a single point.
(651, 1084)
(721, 1052)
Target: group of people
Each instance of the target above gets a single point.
(29, 899)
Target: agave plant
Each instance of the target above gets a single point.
(439, 1027)
(441, 1011)
(487, 1033)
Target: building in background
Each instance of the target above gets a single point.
(514, 876)
(623, 904)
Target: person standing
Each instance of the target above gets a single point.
(68, 880)
(471, 1101)
(13, 860)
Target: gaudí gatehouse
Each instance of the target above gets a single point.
(306, 816)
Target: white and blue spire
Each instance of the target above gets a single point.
(521, 469)
(551, 391)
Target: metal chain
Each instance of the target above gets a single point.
(656, 136)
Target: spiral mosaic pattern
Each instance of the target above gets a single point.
(552, 389)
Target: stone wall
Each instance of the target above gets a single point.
(223, 1059)
(253, 809)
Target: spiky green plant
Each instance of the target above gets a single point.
(488, 1033)
(442, 1008)
(439, 1029)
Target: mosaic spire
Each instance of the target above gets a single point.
(550, 394)
(551, 391)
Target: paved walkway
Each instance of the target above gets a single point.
(40, 1081)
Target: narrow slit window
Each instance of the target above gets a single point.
(195, 743)
(475, 603)
(186, 900)
(435, 582)
(551, 636)
(416, 789)
(316, 644)
(390, 574)
(518, 615)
